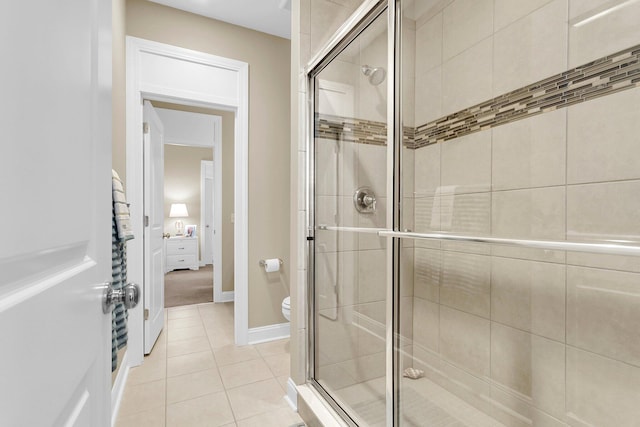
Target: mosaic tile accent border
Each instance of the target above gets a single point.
(605, 76)
(358, 130)
(351, 130)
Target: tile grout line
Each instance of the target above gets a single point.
(216, 365)
(260, 355)
(224, 387)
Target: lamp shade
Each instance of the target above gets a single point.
(178, 210)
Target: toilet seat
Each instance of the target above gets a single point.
(286, 308)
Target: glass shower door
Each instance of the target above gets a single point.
(350, 205)
(521, 268)
(515, 264)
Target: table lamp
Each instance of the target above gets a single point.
(179, 210)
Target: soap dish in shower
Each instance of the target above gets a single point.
(413, 373)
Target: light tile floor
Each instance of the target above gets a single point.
(195, 376)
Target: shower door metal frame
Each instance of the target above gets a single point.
(396, 138)
(395, 232)
(349, 31)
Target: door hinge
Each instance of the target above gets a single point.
(146, 314)
(145, 127)
(146, 220)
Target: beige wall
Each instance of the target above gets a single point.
(118, 91)
(269, 126)
(227, 165)
(182, 182)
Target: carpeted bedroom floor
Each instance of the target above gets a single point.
(186, 287)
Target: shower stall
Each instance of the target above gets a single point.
(474, 214)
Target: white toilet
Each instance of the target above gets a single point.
(286, 308)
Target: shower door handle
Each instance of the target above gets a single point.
(129, 295)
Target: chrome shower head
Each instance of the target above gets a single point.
(376, 74)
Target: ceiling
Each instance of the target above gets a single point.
(268, 16)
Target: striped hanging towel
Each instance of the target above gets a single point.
(120, 233)
(121, 209)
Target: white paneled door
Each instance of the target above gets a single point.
(55, 213)
(154, 226)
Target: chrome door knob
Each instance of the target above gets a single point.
(129, 296)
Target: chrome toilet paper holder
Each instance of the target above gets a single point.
(263, 262)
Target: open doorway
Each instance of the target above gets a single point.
(199, 178)
(161, 72)
(182, 146)
(188, 273)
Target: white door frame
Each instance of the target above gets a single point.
(218, 294)
(203, 212)
(162, 72)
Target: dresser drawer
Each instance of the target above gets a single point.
(181, 261)
(181, 252)
(181, 246)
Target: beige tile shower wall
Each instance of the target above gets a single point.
(373, 52)
(530, 337)
(464, 33)
(350, 267)
(369, 49)
(612, 31)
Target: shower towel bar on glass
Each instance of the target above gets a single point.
(351, 229)
(596, 248)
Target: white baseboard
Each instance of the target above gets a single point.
(118, 388)
(225, 296)
(292, 395)
(269, 333)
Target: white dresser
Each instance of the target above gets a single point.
(181, 252)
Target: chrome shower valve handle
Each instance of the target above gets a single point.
(364, 200)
